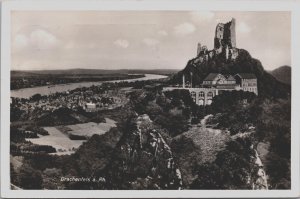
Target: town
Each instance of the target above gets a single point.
(89, 99)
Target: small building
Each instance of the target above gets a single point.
(215, 83)
(213, 78)
(217, 79)
(230, 80)
(247, 81)
(90, 107)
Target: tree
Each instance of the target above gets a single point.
(209, 177)
(36, 97)
(15, 113)
(13, 175)
(30, 178)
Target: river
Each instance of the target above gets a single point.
(46, 90)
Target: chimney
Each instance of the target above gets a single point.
(183, 81)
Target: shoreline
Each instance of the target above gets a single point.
(46, 90)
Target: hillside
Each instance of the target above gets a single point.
(282, 74)
(268, 86)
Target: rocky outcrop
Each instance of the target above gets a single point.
(144, 160)
(257, 177)
(260, 178)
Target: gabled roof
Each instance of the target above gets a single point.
(246, 75)
(230, 78)
(211, 76)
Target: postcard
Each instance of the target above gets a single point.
(147, 99)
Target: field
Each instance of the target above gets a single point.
(62, 143)
(88, 129)
(59, 136)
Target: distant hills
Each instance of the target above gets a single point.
(79, 71)
(282, 74)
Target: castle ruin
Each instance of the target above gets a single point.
(224, 43)
(225, 35)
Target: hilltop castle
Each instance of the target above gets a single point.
(216, 83)
(224, 43)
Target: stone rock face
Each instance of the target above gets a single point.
(144, 160)
(260, 181)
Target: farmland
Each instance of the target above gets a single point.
(60, 136)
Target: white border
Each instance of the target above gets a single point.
(214, 5)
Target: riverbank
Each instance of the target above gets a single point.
(46, 90)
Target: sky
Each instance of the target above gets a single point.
(139, 39)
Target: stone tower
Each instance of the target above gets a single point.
(198, 49)
(232, 33)
(225, 35)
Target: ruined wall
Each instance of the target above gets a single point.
(219, 36)
(198, 49)
(224, 43)
(225, 35)
(232, 33)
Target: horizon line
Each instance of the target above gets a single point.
(87, 69)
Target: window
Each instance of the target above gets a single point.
(193, 95)
(201, 94)
(209, 94)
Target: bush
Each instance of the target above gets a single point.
(77, 137)
(30, 178)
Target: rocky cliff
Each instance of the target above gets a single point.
(143, 160)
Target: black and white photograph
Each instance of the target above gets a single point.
(151, 99)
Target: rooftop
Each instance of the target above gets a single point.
(246, 75)
(211, 76)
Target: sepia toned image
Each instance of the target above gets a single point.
(150, 100)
